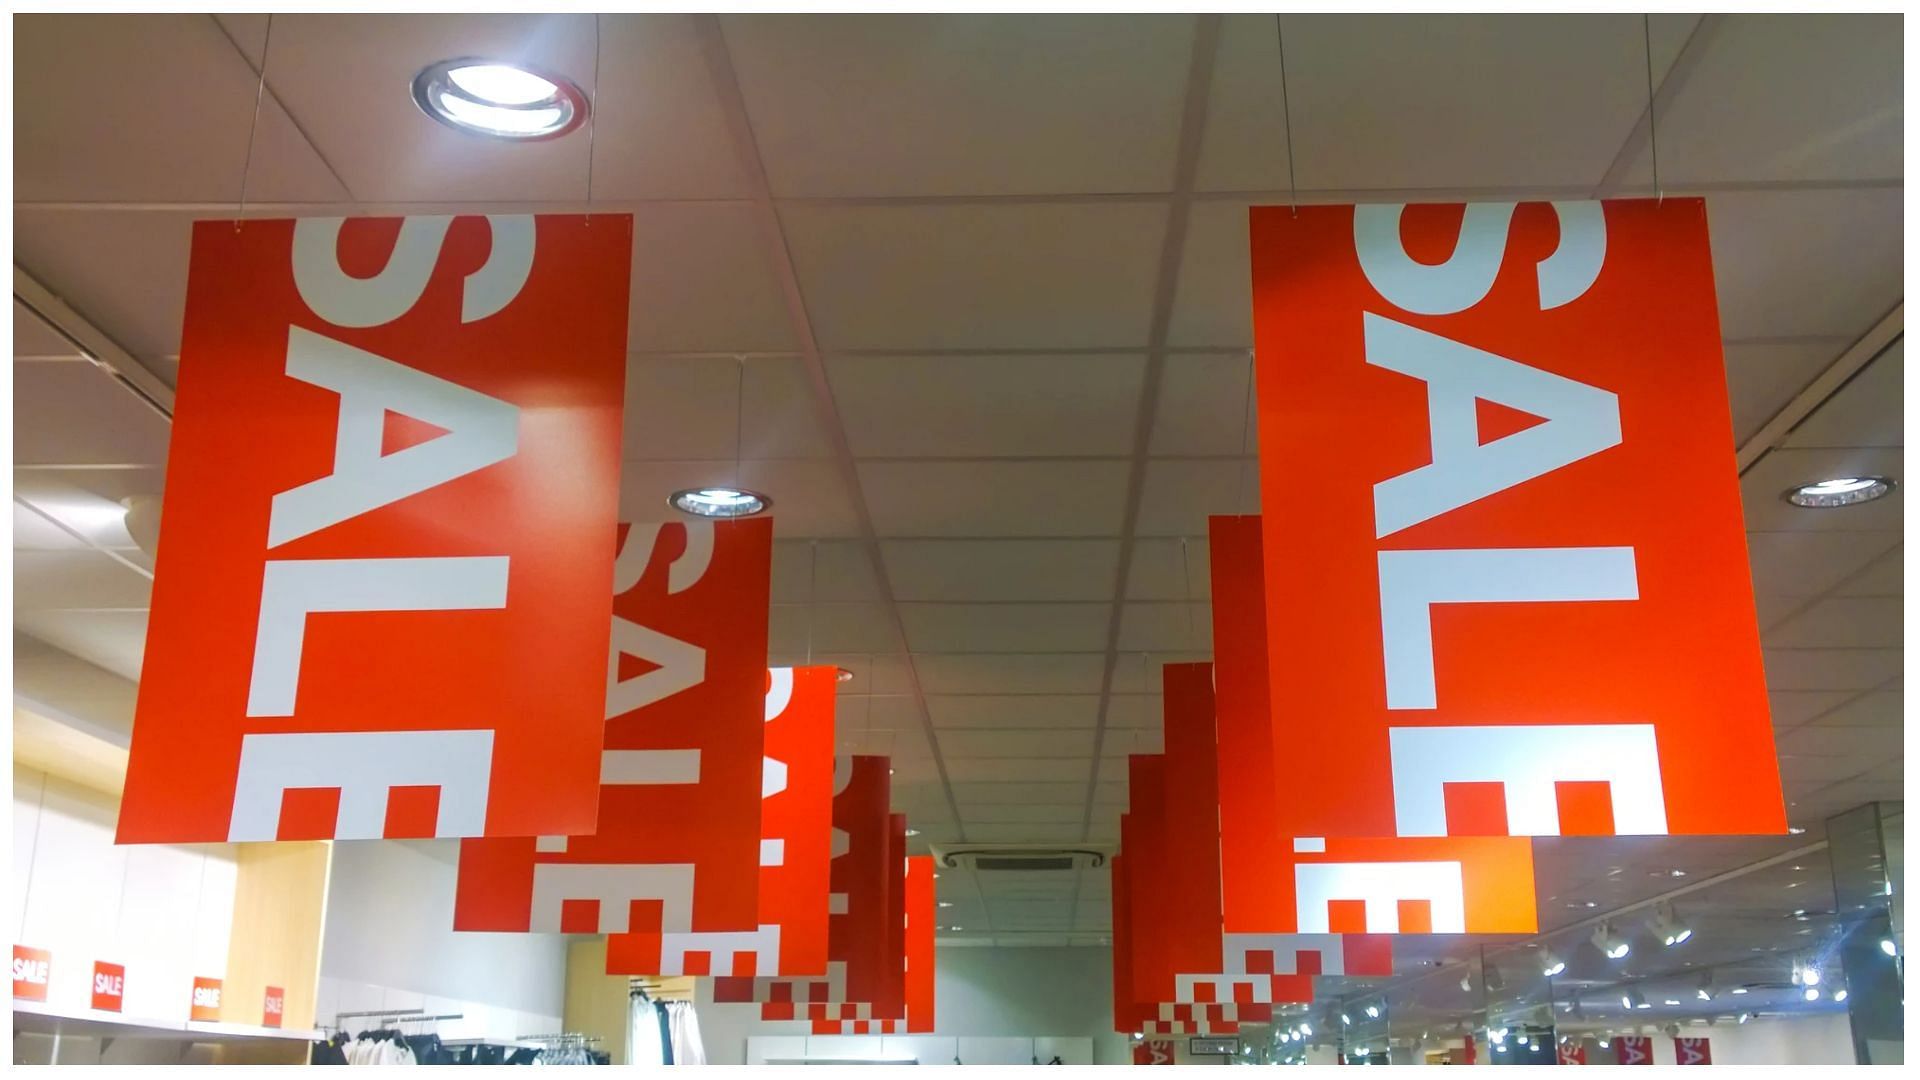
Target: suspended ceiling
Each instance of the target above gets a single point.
(968, 296)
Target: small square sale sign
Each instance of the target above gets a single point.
(109, 986)
(274, 1008)
(206, 999)
(31, 969)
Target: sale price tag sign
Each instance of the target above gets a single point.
(32, 968)
(206, 999)
(109, 986)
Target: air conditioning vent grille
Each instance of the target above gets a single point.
(1002, 862)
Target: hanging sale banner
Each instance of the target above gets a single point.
(667, 859)
(922, 914)
(390, 498)
(857, 905)
(796, 820)
(1692, 1051)
(1633, 1049)
(884, 1012)
(1280, 881)
(1573, 1053)
(1489, 626)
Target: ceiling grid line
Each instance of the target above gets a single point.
(726, 82)
(1206, 43)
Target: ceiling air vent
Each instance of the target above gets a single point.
(997, 858)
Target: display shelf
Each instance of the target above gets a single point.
(29, 1016)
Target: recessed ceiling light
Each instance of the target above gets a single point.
(720, 502)
(913, 832)
(1739, 989)
(946, 903)
(1840, 491)
(1794, 830)
(499, 99)
(842, 675)
(1840, 994)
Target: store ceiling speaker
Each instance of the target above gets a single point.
(1020, 858)
(1480, 396)
(378, 615)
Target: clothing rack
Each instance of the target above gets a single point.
(675, 989)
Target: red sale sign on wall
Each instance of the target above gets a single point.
(205, 1003)
(1153, 1052)
(32, 968)
(381, 610)
(273, 1007)
(109, 985)
(1698, 1051)
(1485, 622)
(1633, 1049)
(1573, 1053)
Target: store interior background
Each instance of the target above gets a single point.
(968, 296)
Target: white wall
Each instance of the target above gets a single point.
(389, 943)
(1820, 1039)
(164, 912)
(978, 992)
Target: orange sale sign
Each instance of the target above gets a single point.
(32, 970)
(109, 986)
(205, 1003)
(381, 610)
(1491, 619)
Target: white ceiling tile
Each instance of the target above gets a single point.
(995, 498)
(33, 532)
(1007, 790)
(88, 138)
(1056, 711)
(1791, 708)
(1170, 570)
(884, 674)
(77, 414)
(1038, 813)
(910, 105)
(1762, 377)
(1141, 672)
(1830, 669)
(662, 133)
(1842, 622)
(1866, 411)
(1770, 477)
(1012, 673)
(1886, 577)
(963, 406)
(1777, 97)
(1015, 770)
(1807, 263)
(703, 282)
(856, 714)
(809, 498)
(114, 640)
(690, 408)
(1205, 407)
(88, 501)
(1862, 747)
(1245, 108)
(1001, 570)
(45, 580)
(1015, 743)
(831, 628)
(827, 571)
(124, 272)
(1152, 626)
(1179, 496)
(1819, 770)
(1134, 711)
(1801, 564)
(1213, 299)
(1885, 708)
(1039, 915)
(1452, 101)
(1119, 742)
(33, 337)
(973, 276)
(1018, 628)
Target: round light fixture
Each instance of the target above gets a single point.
(842, 675)
(720, 502)
(1887, 946)
(1812, 993)
(500, 99)
(1553, 966)
(1840, 995)
(1840, 491)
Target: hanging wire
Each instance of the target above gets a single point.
(593, 114)
(739, 416)
(259, 92)
(1653, 124)
(1186, 590)
(1286, 115)
(813, 580)
(1246, 430)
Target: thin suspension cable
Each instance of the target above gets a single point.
(253, 128)
(1653, 123)
(1186, 590)
(1246, 430)
(593, 114)
(813, 580)
(739, 417)
(1286, 115)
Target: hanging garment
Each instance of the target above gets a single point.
(646, 1043)
(684, 1034)
(331, 1052)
